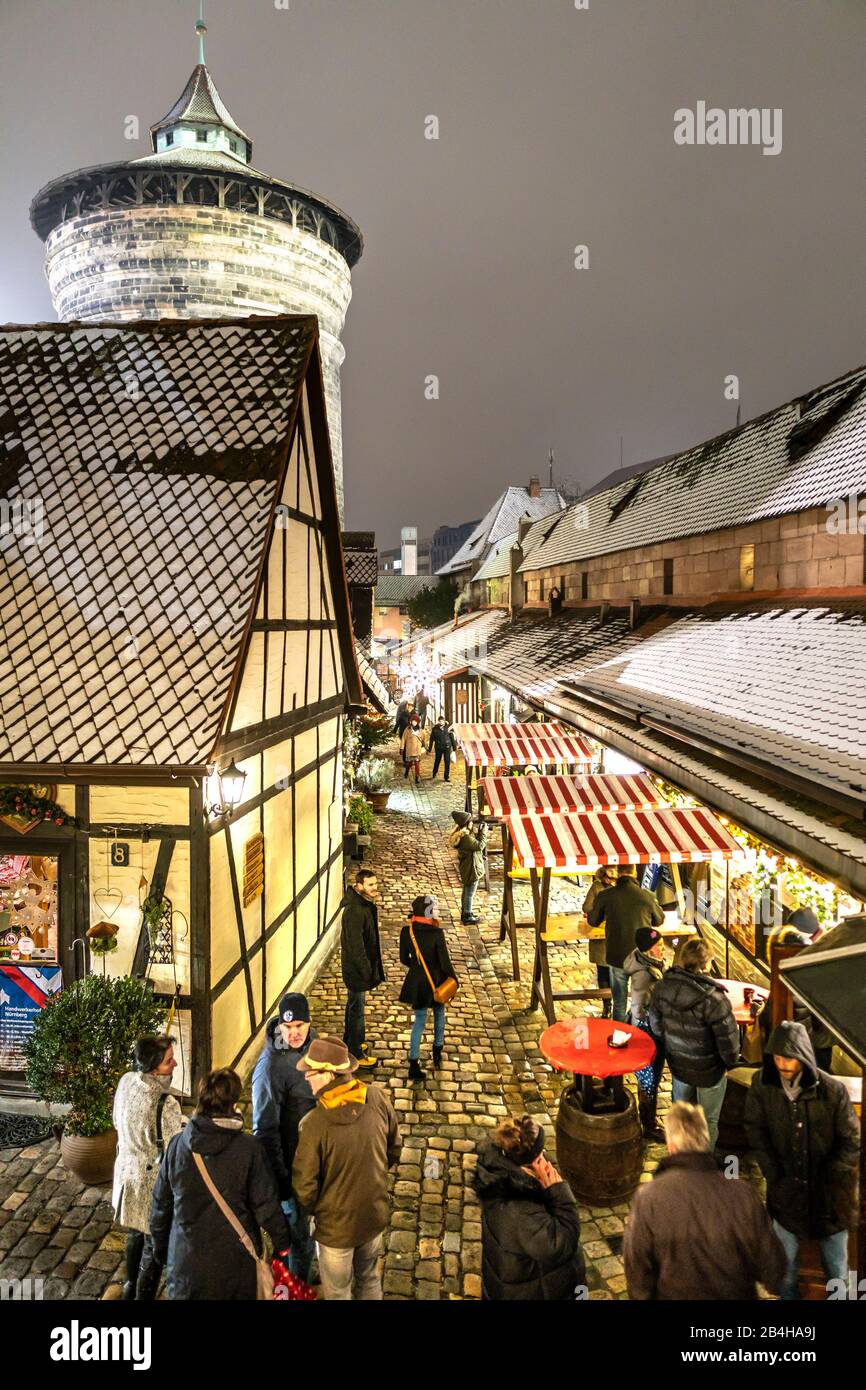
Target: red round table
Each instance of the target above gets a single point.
(735, 992)
(598, 1134)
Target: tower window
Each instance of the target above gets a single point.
(584, 584)
(169, 139)
(668, 585)
(201, 135)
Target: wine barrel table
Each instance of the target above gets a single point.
(599, 1144)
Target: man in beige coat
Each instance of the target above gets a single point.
(145, 1117)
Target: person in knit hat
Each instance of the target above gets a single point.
(424, 951)
(281, 1099)
(644, 967)
(469, 838)
(346, 1145)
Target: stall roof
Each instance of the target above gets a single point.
(522, 796)
(673, 836)
(508, 733)
(832, 984)
(566, 749)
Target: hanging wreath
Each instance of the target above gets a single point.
(26, 803)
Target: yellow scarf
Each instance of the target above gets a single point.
(347, 1094)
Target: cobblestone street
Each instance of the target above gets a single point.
(52, 1227)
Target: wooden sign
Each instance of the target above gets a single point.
(254, 868)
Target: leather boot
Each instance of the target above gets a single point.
(415, 1072)
(647, 1112)
(437, 1057)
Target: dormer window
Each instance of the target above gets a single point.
(169, 139)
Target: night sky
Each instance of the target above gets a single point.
(556, 129)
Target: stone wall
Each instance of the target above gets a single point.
(790, 552)
(178, 261)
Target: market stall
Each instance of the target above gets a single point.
(543, 750)
(543, 794)
(586, 840)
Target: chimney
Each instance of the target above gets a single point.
(517, 584)
(534, 488)
(523, 526)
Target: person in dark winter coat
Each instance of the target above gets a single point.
(693, 1015)
(361, 960)
(204, 1258)
(405, 713)
(530, 1229)
(443, 743)
(469, 838)
(603, 878)
(623, 909)
(692, 1233)
(281, 1098)
(429, 935)
(801, 1124)
(645, 967)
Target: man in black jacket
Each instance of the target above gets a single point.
(623, 908)
(444, 744)
(281, 1099)
(692, 1014)
(802, 1126)
(361, 959)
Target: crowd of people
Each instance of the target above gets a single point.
(196, 1196)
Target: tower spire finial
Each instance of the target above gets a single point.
(201, 30)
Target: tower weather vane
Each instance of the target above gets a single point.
(201, 30)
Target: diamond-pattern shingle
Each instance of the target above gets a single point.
(152, 448)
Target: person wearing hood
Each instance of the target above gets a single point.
(623, 908)
(204, 1258)
(645, 967)
(801, 1124)
(146, 1117)
(360, 960)
(346, 1145)
(692, 1014)
(692, 1233)
(281, 1099)
(424, 950)
(530, 1229)
(469, 838)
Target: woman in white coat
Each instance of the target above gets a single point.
(145, 1117)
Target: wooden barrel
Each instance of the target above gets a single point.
(600, 1154)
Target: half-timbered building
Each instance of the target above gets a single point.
(174, 607)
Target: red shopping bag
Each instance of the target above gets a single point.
(288, 1287)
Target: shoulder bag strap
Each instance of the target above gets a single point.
(160, 1142)
(422, 960)
(242, 1235)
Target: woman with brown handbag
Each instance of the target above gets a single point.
(430, 981)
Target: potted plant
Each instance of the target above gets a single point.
(79, 1049)
(373, 776)
(359, 813)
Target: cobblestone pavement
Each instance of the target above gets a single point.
(51, 1226)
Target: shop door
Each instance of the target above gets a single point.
(35, 921)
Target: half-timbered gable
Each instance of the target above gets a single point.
(174, 601)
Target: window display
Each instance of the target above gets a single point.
(28, 908)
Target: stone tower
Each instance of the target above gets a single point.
(193, 230)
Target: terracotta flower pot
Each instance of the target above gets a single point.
(91, 1160)
(378, 800)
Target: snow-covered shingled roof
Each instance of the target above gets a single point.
(499, 522)
(800, 455)
(155, 450)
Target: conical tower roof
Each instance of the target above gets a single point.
(201, 104)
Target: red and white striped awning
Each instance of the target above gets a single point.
(541, 795)
(672, 836)
(506, 733)
(560, 750)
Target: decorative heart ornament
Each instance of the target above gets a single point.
(108, 900)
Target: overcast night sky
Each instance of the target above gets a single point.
(556, 129)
